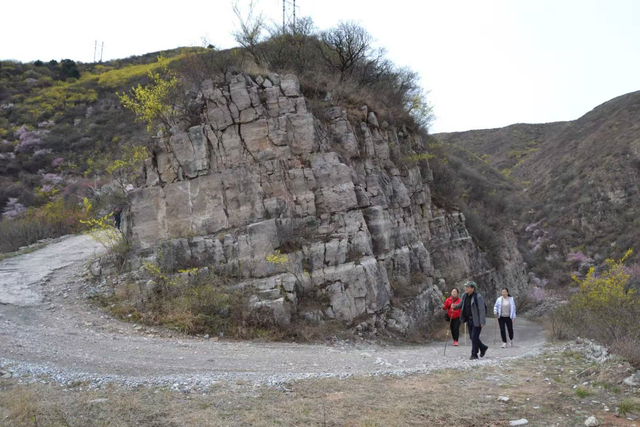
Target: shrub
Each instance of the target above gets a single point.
(195, 301)
(583, 392)
(56, 218)
(340, 62)
(605, 308)
(69, 69)
(152, 103)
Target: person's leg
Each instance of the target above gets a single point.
(475, 339)
(509, 324)
(503, 334)
(455, 329)
(481, 346)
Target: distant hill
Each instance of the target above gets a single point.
(580, 179)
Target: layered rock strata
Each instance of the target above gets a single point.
(260, 174)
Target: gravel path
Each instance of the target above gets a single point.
(47, 328)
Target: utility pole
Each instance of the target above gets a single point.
(294, 14)
(95, 48)
(283, 15)
(101, 50)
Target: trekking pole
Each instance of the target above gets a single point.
(495, 331)
(447, 339)
(465, 333)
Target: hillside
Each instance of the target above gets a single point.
(504, 148)
(579, 180)
(61, 126)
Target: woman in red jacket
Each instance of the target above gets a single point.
(454, 315)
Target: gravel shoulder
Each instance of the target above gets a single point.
(47, 327)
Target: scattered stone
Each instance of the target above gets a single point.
(633, 380)
(503, 399)
(520, 422)
(592, 422)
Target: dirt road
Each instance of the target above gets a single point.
(48, 328)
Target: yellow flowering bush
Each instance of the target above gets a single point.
(607, 290)
(101, 229)
(278, 258)
(126, 170)
(281, 260)
(151, 103)
(605, 307)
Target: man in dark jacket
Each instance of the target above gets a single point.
(474, 313)
(117, 214)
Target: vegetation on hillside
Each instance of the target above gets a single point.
(577, 183)
(63, 135)
(605, 307)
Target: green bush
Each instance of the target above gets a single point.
(605, 308)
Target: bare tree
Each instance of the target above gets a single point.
(344, 46)
(252, 27)
(374, 69)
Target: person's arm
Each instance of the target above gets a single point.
(459, 305)
(482, 310)
(495, 306)
(513, 309)
(447, 304)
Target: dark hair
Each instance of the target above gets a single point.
(506, 289)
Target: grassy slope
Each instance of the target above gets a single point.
(88, 123)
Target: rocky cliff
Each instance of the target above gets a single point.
(318, 213)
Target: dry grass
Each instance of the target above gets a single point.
(540, 389)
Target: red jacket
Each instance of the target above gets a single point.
(453, 314)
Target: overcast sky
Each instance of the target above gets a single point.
(487, 63)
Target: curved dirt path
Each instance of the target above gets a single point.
(48, 328)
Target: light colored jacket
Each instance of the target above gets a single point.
(497, 308)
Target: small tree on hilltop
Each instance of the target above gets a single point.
(345, 46)
(250, 33)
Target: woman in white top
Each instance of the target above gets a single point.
(505, 311)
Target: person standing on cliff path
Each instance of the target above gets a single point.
(505, 310)
(117, 214)
(474, 313)
(453, 315)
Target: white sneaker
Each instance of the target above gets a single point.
(504, 345)
(511, 343)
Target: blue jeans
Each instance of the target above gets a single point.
(476, 344)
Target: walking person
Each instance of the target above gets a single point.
(453, 315)
(117, 214)
(474, 314)
(505, 310)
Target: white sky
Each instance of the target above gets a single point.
(486, 63)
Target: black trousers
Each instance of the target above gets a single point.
(506, 321)
(474, 334)
(455, 329)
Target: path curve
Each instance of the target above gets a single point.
(47, 327)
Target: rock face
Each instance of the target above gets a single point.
(261, 174)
